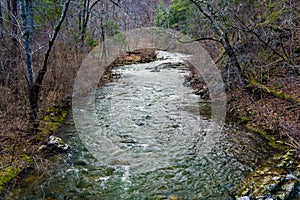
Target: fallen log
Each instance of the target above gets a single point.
(279, 94)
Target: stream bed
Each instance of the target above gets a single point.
(162, 131)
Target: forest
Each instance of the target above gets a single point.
(255, 44)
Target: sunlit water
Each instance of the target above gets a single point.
(162, 132)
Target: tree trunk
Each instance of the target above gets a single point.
(14, 43)
(102, 21)
(237, 75)
(26, 11)
(85, 18)
(253, 84)
(34, 90)
(1, 19)
(14, 28)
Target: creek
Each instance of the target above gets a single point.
(162, 132)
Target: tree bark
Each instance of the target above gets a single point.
(1, 19)
(13, 23)
(84, 20)
(102, 21)
(26, 10)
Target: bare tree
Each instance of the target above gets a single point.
(34, 85)
(222, 37)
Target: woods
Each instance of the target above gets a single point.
(255, 45)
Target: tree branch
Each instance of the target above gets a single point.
(116, 4)
(209, 17)
(200, 39)
(43, 71)
(248, 30)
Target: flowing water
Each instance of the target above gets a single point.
(163, 134)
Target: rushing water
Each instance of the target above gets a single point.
(162, 131)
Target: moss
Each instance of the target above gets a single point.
(51, 121)
(7, 175)
(277, 85)
(271, 139)
(244, 119)
(27, 159)
(276, 93)
(270, 178)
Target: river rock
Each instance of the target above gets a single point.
(275, 179)
(58, 143)
(243, 198)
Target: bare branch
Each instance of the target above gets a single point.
(209, 17)
(200, 39)
(116, 4)
(43, 71)
(253, 32)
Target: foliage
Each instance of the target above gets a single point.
(46, 11)
(90, 41)
(264, 36)
(161, 16)
(179, 15)
(111, 27)
(119, 38)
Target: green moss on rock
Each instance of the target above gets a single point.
(276, 178)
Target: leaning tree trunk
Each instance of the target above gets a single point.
(234, 68)
(236, 77)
